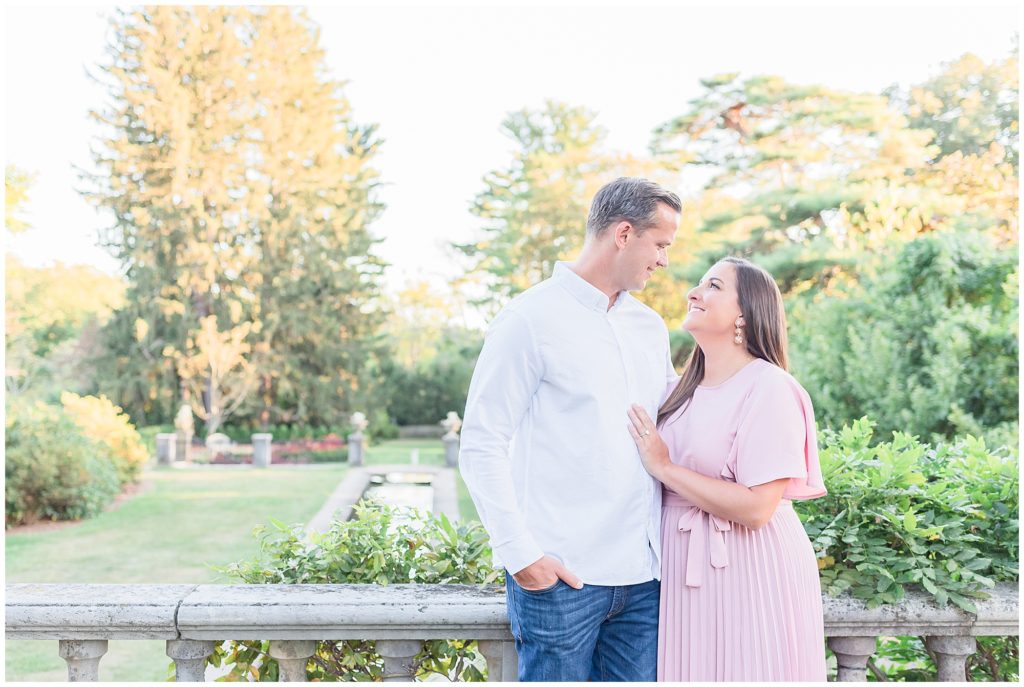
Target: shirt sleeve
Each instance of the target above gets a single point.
(507, 375)
(776, 438)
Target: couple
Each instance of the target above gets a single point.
(644, 519)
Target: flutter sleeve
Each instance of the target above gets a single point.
(776, 438)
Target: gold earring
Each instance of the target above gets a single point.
(738, 338)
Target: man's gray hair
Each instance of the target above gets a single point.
(629, 199)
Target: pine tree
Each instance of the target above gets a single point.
(782, 162)
(240, 189)
(535, 209)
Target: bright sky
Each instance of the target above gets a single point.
(439, 81)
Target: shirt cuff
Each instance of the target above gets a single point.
(518, 553)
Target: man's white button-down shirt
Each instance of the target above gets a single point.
(545, 452)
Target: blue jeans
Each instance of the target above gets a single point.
(601, 634)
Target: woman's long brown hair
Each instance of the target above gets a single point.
(764, 335)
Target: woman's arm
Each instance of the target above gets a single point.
(751, 507)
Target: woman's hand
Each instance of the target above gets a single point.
(653, 451)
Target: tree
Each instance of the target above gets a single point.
(240, 189)
(16, 185)
(969, 105)
(50, 313)
(815, 184)
(218, 371)
(535, 209)
(425, 392)
(782, 161)
(926, 343)
(419, 316)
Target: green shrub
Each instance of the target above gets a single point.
(372, 548)
(381, 427)
(105, 423)
(242, 433)
(905, 513)
(925, 342)
(899, 514)
(52, 470)
(424, 393)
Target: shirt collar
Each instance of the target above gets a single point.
(582, 290)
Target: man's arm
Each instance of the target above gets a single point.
(505, 379)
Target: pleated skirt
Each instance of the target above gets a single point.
(757, 617)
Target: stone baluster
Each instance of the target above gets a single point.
(189, 657)
(951, 654)
(83, 658)
(502, 662)
(852, 654)
(292, 655)
(398, 655)
(261, 451)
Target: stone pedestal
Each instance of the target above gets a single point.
(261, 454)
(451, 450)
(183, 447)
(166, 444)
(356, 446)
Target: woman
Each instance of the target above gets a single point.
(733, 444)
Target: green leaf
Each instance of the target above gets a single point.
(910, 521)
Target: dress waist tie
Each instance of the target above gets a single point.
(692, 521)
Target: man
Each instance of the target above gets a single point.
(573, 516)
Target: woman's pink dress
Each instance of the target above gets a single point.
(740, 604)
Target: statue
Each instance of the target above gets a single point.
(451, 425)
(186, 428)
(358, 421)
(183, 421)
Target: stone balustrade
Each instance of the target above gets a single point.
(194, 618)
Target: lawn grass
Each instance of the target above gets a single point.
(184, 521)
(173, 531)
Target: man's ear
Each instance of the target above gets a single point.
(623, 232)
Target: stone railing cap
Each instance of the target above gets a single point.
(93, 611)
(345, 611)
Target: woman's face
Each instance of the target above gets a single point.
(713, 305)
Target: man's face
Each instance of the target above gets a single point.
(643, 253)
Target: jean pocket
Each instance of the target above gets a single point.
(545, 590)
